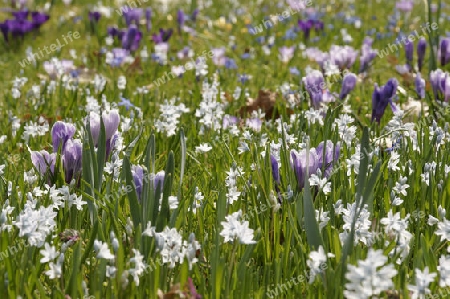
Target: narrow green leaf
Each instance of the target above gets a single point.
(101, 155)
(313, 235)
(164, 214)
(135, 207)
(76, 262)
(91, 242)
(364, 162)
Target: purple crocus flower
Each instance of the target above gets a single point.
(163, 36)
(367, 55)
(229, 120)
(275, 169)
(4, 29)
(437, 81)
(112, 31)
(343, 56)
(286, 53)
(219, 58)
(327, 159)
(94, 16)
(440, 83)
(20, 15)
(445, 51)
(180, 20)
(194, 15)
(131, 38)
(61, 133)
(314, 85)
(39, 18)
(348, 84)
(421, 49)
(19, 28)
(409, 54)
(148, 18)
(381, 97)
(71, 157)
(133, 15)
(119, 56)
(138, 178)
(305, 26)
(420, 86)
(304, 163)
(42, 160)
(405, 5)
(111, 120)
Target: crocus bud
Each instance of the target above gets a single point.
(445, 51)
(275, 169)
(180, 20)
(327, 159)
(409, 53)
(437, 79)
(348, 84)
(61, 132)
(131, 38)
(420, 86)
(138, 178)
(111, 120)
(72, 159)
(194, 15)
(148, 18)
(447, 89)
(421, 49)
(314, 83)
(94, 16)
(42, 160)
(159, 180)
(381, 97)
(304, 164)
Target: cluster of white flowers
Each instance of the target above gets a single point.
(397, 229)
(49, 254)
(397, 129)
(18, 83)
(60, 196)
(346, 133)
(321, 182)
(444, 270)
(370, 277)
(6, 211)
(322, 218)
(437, 132)
(198, 200)
(172, 247)
(231, 182)
(429, 169)
(423, 280)
(362, 223)
(235, 229)
(317, 263)
(35, 223)
(170, 117)
(211, 111)
(33, 129)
